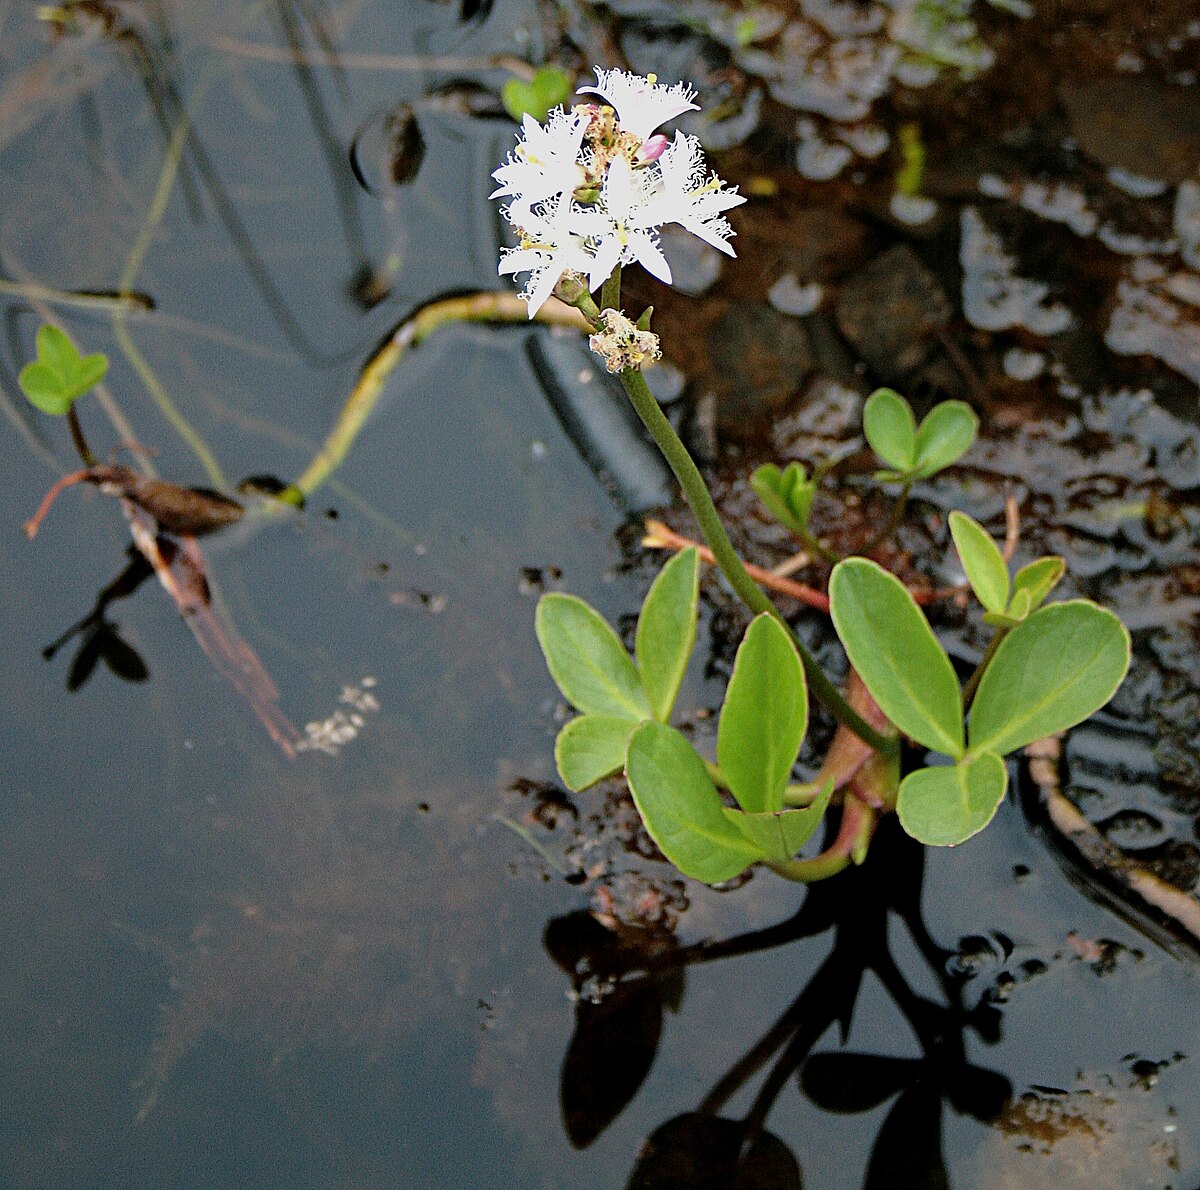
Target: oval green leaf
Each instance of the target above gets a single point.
(891, 428)
(764, 717)
(55, 349)
(587, 660)
(666, 631)
(1052, 671)
(890, 643)
(779, 836)
(987, 572)
(945, 436)
(942, 807)
(42, 385)
(681, 807)
(590, 748)
(1039, 579)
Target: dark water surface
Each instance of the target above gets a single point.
(228, 968)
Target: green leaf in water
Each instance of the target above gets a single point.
(890, 644)
(787, 495)
(590, 748)
(891, 429)
(945, 806)
(764, 717)
(60, 375)
(681, 807)
(666, 631)
(945, 436)
(986, 569)
(587, 660)
(548, 88)
(1038, 579)
(780, 835)
(1052, 671)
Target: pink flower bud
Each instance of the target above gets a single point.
(652, 150)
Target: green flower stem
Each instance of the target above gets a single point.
(802, 794)
(705, 512)
(81, 443)
(696, 492)
(986, 660)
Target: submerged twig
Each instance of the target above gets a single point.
(475, 307)
(1181, 908)
(663, 537)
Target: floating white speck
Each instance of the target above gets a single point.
(1151, 318)
(334, 733)
(790, 297)
(1135, 184)
(1020, 364)
(912, 209)
(1187, 222)
(816, 158)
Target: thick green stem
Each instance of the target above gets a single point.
(696, 492)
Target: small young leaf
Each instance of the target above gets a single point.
(764, 717)
(585, 658)
(986, 569)
(548, 88)
(1020, 605)
(590, 748)
(666, 631)
(787, 495)
(944, 806)
(90, 371)
(891, 429)
(43, 386)
(1039, 579)
(55, 349)
(781, 835)
(890, 644)
(59, 377)
(1049, 673)
(681, 807)
(945, 436)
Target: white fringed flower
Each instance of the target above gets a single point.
(641, 104)
(549, 248)
(547, 161)
(620, 227)
(693, 198)
(589, 190)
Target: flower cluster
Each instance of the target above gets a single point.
(589, 190)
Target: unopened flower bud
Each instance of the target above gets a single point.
(570, 287)
(652, 150)
(621, 345)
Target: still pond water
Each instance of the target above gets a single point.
(228, 967)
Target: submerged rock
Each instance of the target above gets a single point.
(761, 358)
(1141, 125)
(889, 310)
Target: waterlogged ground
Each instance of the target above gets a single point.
(404, 956)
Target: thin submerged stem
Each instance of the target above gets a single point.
(893, 521)
(81, 443)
